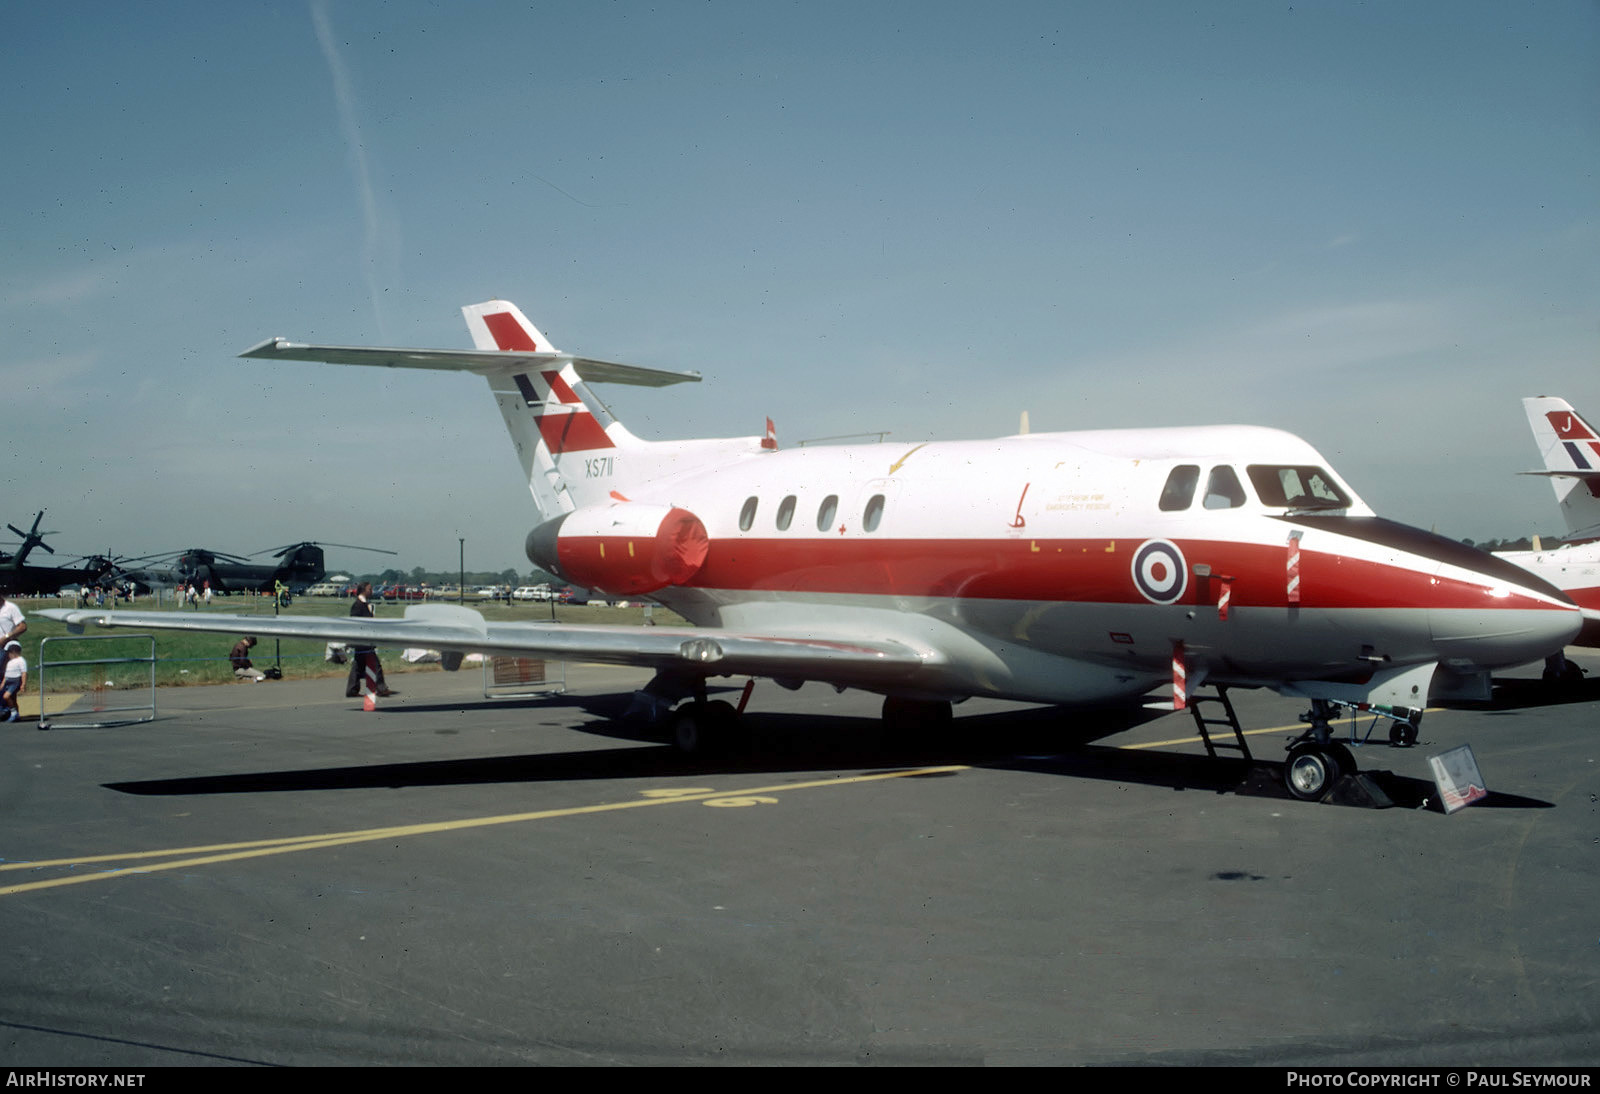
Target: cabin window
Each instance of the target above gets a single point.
(785, 513)
(873, 513)
(747, 515)
(1178, 494)
(1296, 487)
(827, 511)
(1222, 489)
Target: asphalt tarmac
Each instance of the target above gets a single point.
(268, 875)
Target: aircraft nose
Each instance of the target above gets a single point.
(1480, 611)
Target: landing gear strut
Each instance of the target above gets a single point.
(1317, 762)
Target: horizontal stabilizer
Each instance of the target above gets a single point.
(1556, 473)
(483, 362)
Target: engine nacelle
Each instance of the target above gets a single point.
(626, 549)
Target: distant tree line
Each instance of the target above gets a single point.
(420, 576)
(1546, 543)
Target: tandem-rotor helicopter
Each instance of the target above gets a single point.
(18, 577)
(299, 565)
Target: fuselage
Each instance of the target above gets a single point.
(1055, 566)
(1575, 570)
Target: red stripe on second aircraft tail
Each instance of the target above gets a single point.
(1569, 427)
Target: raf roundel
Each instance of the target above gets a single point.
(1160, 572)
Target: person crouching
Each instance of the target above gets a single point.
(240, 658)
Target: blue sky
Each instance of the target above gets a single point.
(1375, 225)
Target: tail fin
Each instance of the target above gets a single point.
(499, 325)
(551, 425)
(574, 452)
(1570, 449)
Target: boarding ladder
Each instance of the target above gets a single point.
(1202, 723)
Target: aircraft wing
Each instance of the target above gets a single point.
(483, 362)
(696, 650)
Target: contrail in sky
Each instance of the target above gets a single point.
(345, 98)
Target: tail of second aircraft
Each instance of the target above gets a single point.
(1570, 449)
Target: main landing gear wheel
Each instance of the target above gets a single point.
(1312, 769)
(910, 719)
(704, 729)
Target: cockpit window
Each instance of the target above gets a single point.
(1222, 489)
(1178, 494)
(1296, 487)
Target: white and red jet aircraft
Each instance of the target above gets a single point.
(1570, 450)
(1062, 568)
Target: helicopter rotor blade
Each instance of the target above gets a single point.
(204, 556)
(281, 551)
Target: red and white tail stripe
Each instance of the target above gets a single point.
(565, 423)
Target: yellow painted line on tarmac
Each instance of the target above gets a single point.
(235, 852)
(1194, 738)
(1293, 727)
(212, 854)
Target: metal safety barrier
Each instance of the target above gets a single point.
(523, 677)
(92, 675)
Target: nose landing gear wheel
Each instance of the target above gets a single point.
(1311, 771)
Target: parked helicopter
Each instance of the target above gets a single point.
(300, 565)
(18, 577)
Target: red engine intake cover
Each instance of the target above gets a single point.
(631, 549)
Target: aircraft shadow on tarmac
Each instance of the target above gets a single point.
(1518, 693)
(1043, 740)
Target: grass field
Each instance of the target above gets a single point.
(187, 658)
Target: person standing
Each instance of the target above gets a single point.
(11, 621)
(16, 680)
(364, 663)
